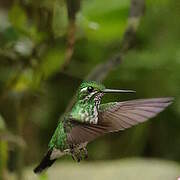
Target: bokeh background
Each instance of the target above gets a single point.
(48, 47)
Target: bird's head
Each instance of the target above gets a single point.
(91, 89)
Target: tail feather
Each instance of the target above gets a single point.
(45, 163)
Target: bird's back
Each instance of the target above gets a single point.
(59, 138)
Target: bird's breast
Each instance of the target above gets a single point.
(87, 112)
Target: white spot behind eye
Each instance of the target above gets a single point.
(84, 89)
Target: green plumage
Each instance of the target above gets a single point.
(59, 137)
(82, 111)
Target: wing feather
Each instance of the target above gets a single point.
(117, 116)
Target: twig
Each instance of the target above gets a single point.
(100, 72)
(14, 139)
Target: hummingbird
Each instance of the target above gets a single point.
(89, 119)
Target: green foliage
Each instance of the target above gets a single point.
(60, 19)
(3, 149)
(105, 24)
(17, 17)
(43, 176)
(2, 123)
(3, 158)
(52, 61)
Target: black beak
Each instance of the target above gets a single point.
(117, 91)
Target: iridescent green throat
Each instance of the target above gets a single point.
(86, 110)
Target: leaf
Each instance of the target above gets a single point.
(60, 20)
(52, 62)
(25, 80)
(18, 17)
(43, 176)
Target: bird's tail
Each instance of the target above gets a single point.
(45, 163)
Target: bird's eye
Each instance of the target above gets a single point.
(90, 89)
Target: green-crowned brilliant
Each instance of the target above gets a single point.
(90, 119)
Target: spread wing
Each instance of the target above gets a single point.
(117, 116)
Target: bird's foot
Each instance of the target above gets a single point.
(76, 157)
(78, 153)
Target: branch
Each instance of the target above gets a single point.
(73, 6)
(100, 72)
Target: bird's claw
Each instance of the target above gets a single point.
(79, 154)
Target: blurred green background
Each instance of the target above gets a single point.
(37, 80)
